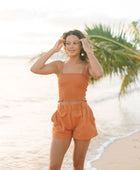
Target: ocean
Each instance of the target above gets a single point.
(27, 102)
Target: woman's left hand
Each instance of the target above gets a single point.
(85, 44)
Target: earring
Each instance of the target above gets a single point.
(82, 54)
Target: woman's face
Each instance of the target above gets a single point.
(73, 45)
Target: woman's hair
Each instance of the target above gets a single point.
(80, 35)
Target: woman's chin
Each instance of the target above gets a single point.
(73, 55)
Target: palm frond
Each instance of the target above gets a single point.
(134, 31)
(128, 79)
(116, 54)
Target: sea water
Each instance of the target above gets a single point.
(27, 102)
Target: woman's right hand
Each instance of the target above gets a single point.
(58, 45)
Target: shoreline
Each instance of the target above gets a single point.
(122, 154)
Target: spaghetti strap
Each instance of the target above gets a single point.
(62, 66)
(84, 68)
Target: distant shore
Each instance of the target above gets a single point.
(124, 154)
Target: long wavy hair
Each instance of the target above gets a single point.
(80, 35)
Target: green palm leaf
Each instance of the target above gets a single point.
(134, 31)
(116, 54)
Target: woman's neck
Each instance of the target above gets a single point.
(74, 60)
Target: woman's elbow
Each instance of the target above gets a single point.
(99, 75)
(33, 70)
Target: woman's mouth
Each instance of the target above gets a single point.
(71, 51)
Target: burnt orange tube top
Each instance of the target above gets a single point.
(72, 86)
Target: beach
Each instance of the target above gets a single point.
(28, 101)
(123, 154)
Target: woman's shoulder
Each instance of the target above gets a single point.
(85, 64)
(59, 64)
(86, 69)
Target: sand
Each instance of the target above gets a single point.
(123, 154)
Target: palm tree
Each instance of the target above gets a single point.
(118, 52)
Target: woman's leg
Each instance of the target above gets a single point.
(57, 152)
(80, 149)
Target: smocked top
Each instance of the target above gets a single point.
(72, 86)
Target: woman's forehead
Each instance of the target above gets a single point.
(72, 38)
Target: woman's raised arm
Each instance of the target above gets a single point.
(39, 67)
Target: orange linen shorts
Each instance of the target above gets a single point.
(76, 120)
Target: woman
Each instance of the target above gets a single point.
(73, 118)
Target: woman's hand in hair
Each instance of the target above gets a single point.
(59, 44)
(86, 45)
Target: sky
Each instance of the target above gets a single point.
(31, 26)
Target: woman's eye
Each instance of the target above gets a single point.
(67, 43)
(74, 43)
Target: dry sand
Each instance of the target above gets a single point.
(124, 154)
